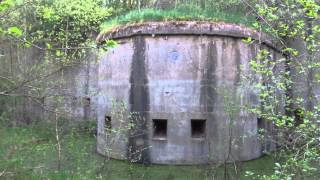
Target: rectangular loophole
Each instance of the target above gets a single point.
(159, 128)
(259, 123)
(107, 122)
(198, 128)
(86, 101)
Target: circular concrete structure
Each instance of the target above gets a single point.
(178, 84)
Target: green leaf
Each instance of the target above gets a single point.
(317, 76)
(58, 53)
(49, 46)
(15, 31)
(111, 43)
(5, 4)
(27, 44)
(47, 12)
(248, 40)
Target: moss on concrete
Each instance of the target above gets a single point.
(178, 14)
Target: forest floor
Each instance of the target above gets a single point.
(30, 152)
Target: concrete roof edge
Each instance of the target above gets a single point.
(186, 28)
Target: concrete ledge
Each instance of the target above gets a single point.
(186, 28)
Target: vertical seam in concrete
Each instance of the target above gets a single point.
(139, 104)
(238, 62)
(86, 107)
(208, 79)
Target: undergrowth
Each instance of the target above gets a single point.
(29, 152)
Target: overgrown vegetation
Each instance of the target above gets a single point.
(63, 30)
(180, 13)
(124, 6)
(286, 86)
(30, 153)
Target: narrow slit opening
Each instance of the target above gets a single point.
(107, 122)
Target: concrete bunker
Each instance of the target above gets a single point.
(172, 78)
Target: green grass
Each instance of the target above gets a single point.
(182, 13)
(30, 153)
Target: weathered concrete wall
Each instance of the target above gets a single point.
(35, 99)
(163, 74)
(14, 62)
(114, 86)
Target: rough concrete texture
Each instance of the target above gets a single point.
(76, 84)
(187, 28)
(13, 66)
(179, 72)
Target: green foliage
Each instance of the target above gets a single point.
(123, 6)
(5, 5)
(68, 25)
(295, 116)
(30, 153)
(182, 12)
(15, 31)
(225, 5)
(296, 130)
(64, 28)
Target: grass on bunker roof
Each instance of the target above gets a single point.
(30, 152)
(178, 14)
